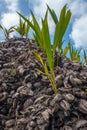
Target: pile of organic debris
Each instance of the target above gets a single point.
(27, 101)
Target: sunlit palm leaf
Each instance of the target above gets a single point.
(61, 27)
(40, 59)
(66, 50)
(53, 15)
(47, 42)
(85, 57)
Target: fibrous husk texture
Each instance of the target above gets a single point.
(27, 101)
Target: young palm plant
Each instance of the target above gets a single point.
(22, 28)
(7, 31)
(74, 53)
(66, 49)
(42, 35)
(85, 57)
(48, 69)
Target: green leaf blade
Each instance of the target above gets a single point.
(53, 15)
(47, 43)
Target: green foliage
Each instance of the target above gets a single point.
(74, 53)
(47, 43)
(46, 71)
(85, 91)
(61, 26)
(22, 28)
(53, 15)
(45, 39)
(85, 57)
(42, 35)
(66, 49)
(35, 26)
(7, 31)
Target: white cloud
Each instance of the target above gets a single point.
(79, 31)
(78, 8)
(40, 6)
(79, 23)
(12, 5)
(10, 18)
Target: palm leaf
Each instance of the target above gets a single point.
(53, 15)
(37, 30)
(66, 50)
(47, 42)
(40, 59)
(85, 57)
(61, 27)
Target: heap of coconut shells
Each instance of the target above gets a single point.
(27, 101)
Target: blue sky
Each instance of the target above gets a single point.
(77, 30)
